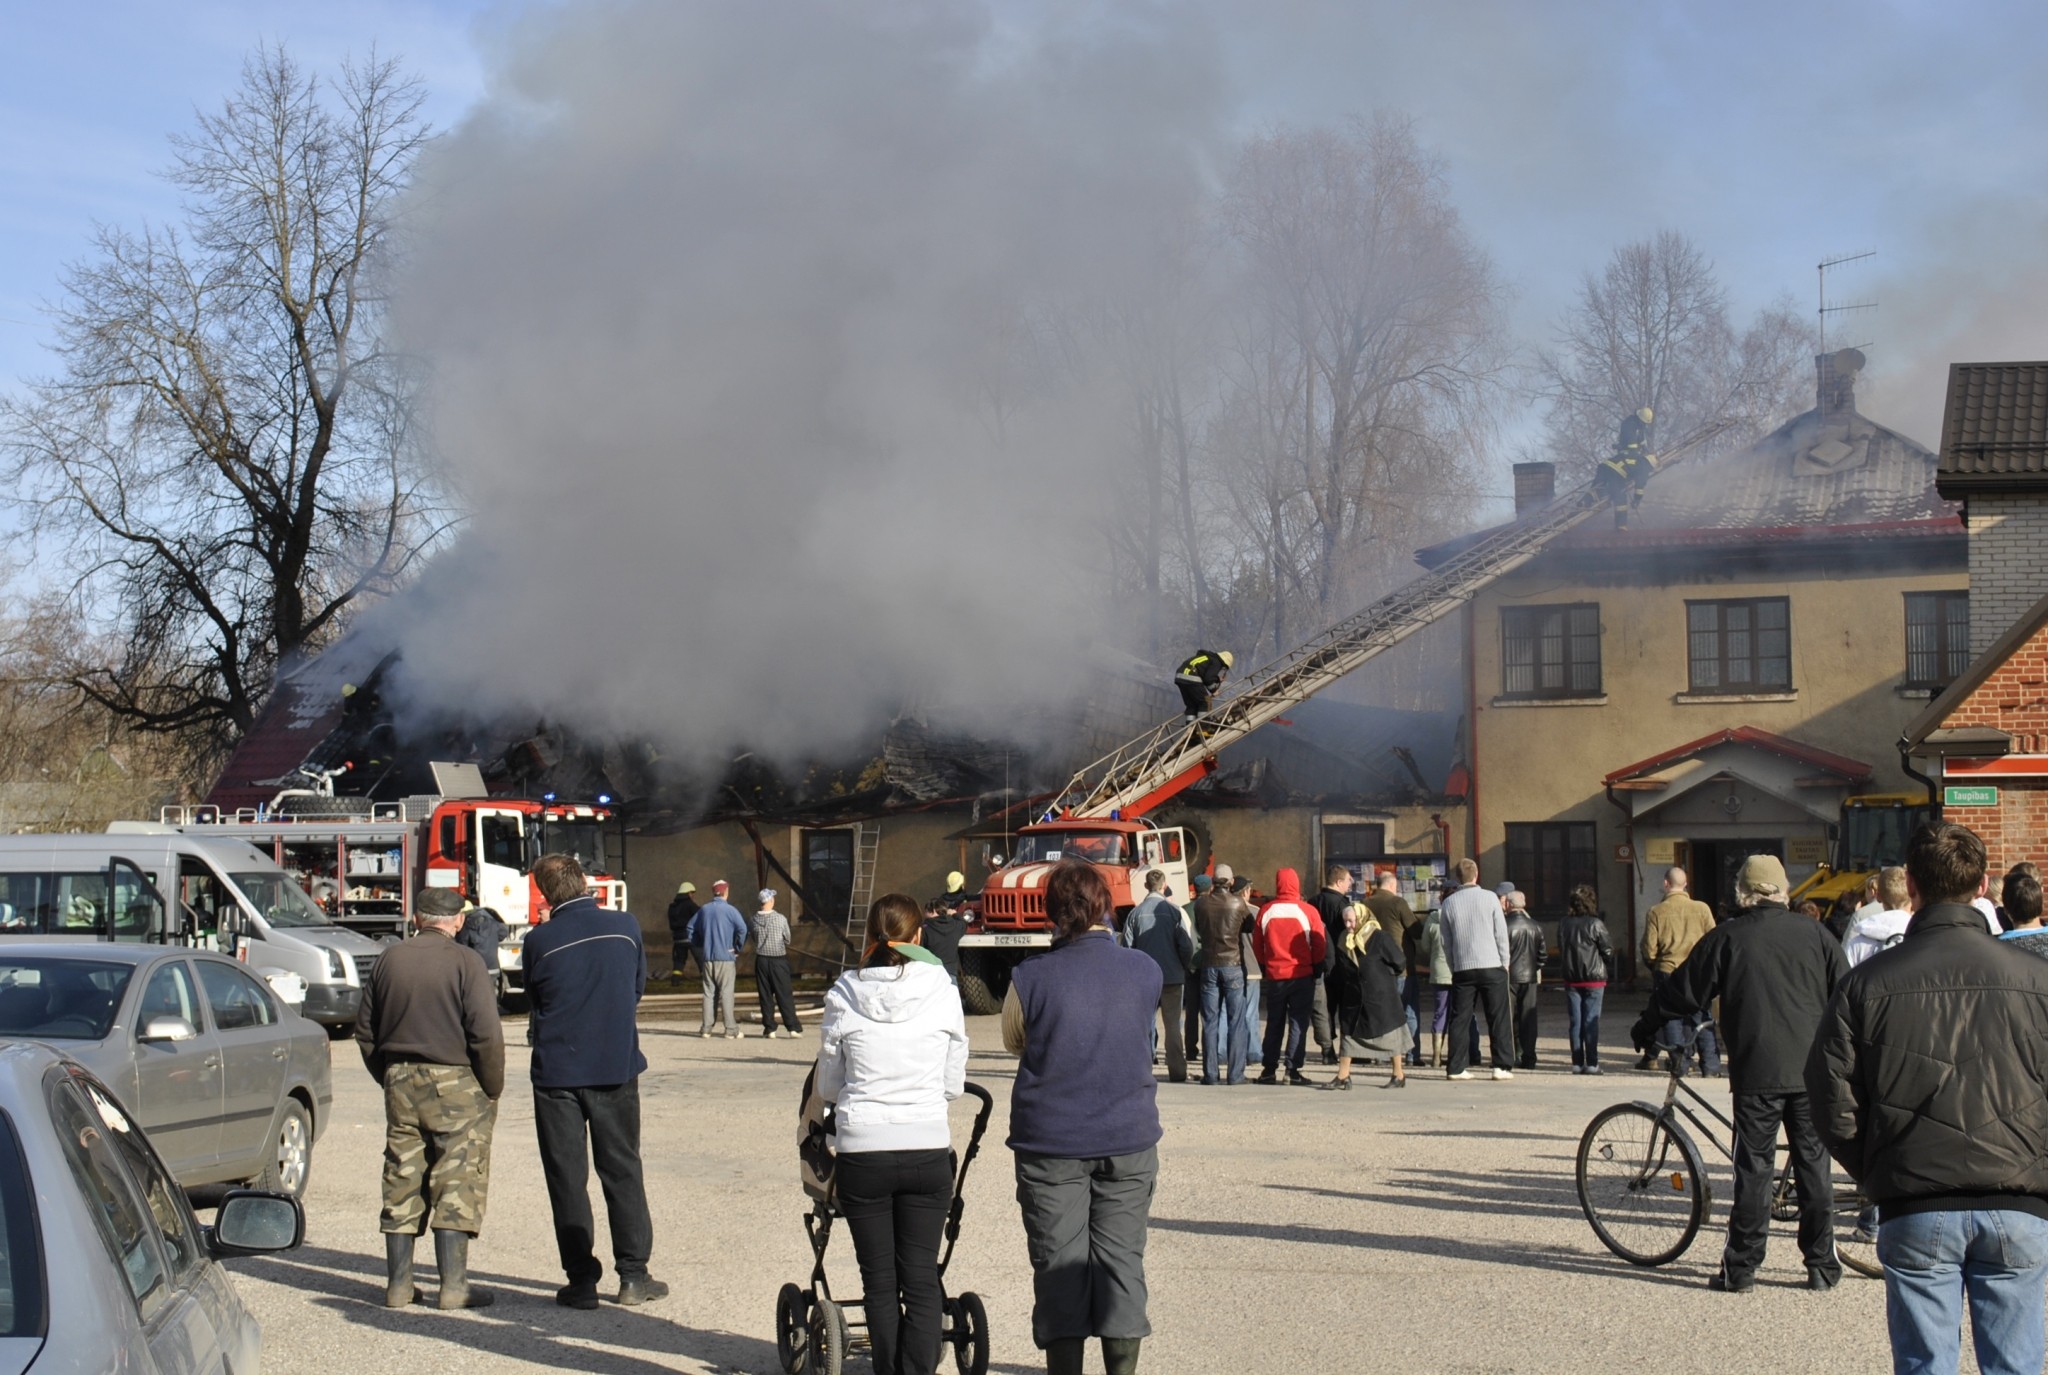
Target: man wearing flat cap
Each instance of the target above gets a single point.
(429, 1033)
(1773, 971)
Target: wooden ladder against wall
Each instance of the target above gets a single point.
(867, 852)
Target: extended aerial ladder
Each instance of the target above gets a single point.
(1176, 754)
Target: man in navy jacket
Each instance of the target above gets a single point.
(585, 972)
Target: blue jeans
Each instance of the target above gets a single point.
(1223, 1017)
(1582, 1005)
(1676, 1029)
(1409, 984)
(1997, 1258)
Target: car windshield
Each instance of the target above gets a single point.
(583, 839)
(59, 999)
(281, 901)
(21, 1251)
(1097, 847)
(1873, 837)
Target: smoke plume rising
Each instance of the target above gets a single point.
(744, 330)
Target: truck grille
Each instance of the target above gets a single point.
(364, 964)
(1020, 909)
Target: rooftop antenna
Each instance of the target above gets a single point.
(1826, 309)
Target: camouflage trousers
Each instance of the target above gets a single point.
(437, 1149)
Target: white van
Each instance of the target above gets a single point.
(146, 882)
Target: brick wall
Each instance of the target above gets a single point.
(2016, 829)
(2008, 562)
(2013, 699)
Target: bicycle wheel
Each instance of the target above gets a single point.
(1641, 1184)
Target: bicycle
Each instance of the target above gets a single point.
(1644, 1186)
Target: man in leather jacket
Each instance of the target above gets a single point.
(1930, 1085)
(1773, 971)
(1525, 974)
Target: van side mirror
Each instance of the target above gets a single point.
(161, 1029)
(252, 1222)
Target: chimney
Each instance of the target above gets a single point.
(1535, 485)
(1837, 377)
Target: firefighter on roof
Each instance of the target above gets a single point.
(1200, 676)
(1621, 479)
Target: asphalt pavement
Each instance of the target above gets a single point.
(1432, 1228)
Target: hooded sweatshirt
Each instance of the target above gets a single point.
(894, 1054)
(1292, 942)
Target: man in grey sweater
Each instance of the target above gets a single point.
(1475, 935)
(771, 968)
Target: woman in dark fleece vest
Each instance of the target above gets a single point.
(1084, 1125)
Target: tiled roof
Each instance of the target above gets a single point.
(303, 709)
(1839, 477)
(1851, 770)
(1995, 429)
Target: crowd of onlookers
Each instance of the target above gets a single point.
(1907, 1038)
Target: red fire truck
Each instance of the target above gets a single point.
(364, 861)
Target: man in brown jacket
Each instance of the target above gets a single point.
(429, 1033)
(1220, 919)
(1670, 931)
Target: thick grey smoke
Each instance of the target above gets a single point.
(743, 327)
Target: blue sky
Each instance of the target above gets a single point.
(1774, 134)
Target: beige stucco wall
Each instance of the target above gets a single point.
(1261, 842)
(1545, 761)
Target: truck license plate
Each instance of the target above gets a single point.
(1014, 940)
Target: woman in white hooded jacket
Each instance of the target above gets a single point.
(894, 1053)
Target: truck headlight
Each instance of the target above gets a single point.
(336, 970)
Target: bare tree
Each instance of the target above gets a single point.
(1372, 350)
(1652, 329)
(227, 460)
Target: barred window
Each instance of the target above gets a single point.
(1937, 638)
(1739, 646)
(1550, 651)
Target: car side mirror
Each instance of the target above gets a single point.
(252, 1222)
(168, 1029)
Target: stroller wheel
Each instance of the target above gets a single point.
(970, 1335)
(793, 1329)
(828, 1338)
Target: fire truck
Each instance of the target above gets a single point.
(363, 861)
(1100, 814)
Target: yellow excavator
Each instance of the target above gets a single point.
(1872, 834)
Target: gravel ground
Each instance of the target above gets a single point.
(1434, 1228)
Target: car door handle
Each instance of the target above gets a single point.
(211, 1062)
(278, 1052)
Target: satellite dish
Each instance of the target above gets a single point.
(1849, 361)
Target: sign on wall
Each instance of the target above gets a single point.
(1972, 795)
(1660, 850)
(1806, 849)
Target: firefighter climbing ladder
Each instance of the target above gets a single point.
(867, 851)
(1175, 754)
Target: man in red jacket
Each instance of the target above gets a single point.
(1291, 945)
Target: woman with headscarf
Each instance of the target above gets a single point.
(1084, 1124)
(1365, 997)
(894, 1054)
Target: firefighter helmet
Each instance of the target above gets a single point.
(956, 882)
(1228, 662)
(1646, 415)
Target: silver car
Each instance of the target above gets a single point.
(105, 1266)
(229, 1082)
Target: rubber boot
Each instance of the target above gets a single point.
(398, 1285)
(451, 1253)
(1120, 1355)
(1063, 1357)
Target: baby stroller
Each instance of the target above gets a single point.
(812, 1330)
